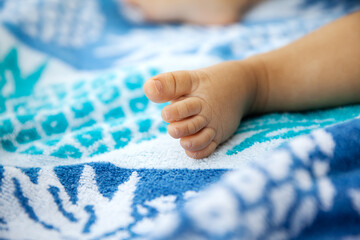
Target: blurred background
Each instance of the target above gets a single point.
(100, 34)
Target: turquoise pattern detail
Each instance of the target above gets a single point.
(67, 151)
(163, 127)
(87, 139)
(5, 127)
(101, 149)
(10, 71)
(114, 113)
(25, 118)
(23, 85)
(290, 125)
(144, 125)
(27, 135)
(134, 81)
(55, 124)
(109, 95)
(139, 104)
(83, 109)
(68, 118)
(88, 123)
(8, 146)
(51, 142)
(33, 151)
(122, 138)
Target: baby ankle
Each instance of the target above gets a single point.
(260, 85)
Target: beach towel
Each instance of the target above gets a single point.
(85, 155)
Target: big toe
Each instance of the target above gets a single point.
(170, 86)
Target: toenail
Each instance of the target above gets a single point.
(165, 115)
(158, 85)
(188, 145)
(177, 131)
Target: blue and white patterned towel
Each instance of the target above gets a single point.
(85, 155)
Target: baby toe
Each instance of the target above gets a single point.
(204, 152)
(199, 140)
(181, 109)
(169, 86)
(187, 127)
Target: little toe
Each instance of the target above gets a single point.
(181, 109)
(204, 152)
(199, 140)
(169, 86)
(187, 127)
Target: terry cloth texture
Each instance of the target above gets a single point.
(85, 155)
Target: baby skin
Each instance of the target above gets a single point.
(320, 70)
(198, 12)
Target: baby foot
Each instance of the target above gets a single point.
(199, 11)
(206, 105)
